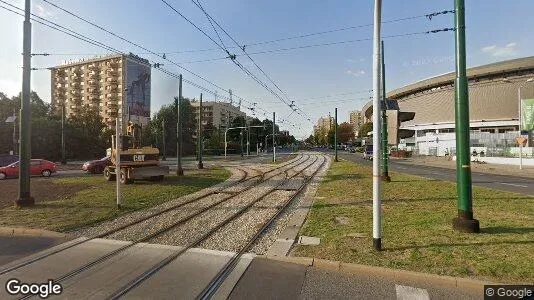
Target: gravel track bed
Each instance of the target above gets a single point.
(192, 229)
(105, 226)
(235, 234)
(272, 232)
(232, 235)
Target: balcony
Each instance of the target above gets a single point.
(112, 63)
(112, 72)
(93, 91)
(92, 67)
(112, 105)
(112, 88)
(94, 82)
(94, 75)
(112, 80)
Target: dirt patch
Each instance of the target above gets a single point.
(42, 189)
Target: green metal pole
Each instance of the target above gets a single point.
(179, 170)
(199, 136)
(24, 198)
(335, 134)
(464, 222)
(274, 144)
(163, 140)
(385, 170)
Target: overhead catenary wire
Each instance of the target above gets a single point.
(142, 47)
(231, 56)
(81, 37)
(197, 3)
(136, 44)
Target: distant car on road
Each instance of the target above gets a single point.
(97, 166)
(41, 167)
(368, 152)
(7, 159)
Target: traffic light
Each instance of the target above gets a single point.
(395, 118)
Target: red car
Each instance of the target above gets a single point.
(97, 166)
(37, 167)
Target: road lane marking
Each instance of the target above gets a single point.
(411, 293)
(512, 184)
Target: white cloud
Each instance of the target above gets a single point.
(42, 12)
(355, 73)
(508, 50)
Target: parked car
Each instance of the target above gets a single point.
(351, 149)
(97, 166)
(368, 152)
(7, 159)
(41, 167)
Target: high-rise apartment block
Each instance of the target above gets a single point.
(118, 85)
(356, 120)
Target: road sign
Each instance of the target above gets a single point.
(521, 140)
(11, 119)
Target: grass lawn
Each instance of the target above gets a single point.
(96, 201)
(417, 233)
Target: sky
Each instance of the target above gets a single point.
(318, 79)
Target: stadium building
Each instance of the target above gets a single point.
(494, 93)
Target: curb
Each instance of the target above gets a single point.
(21, 231)
(392, 274)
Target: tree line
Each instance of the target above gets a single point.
(323, 137)
(88, 137)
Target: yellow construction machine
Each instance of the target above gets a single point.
(136, 162)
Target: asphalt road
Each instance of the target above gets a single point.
(500, 182)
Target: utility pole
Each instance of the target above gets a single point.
(25, 149)
(15, 143)
(274, 144)
(248, 138)
(335, 134)
(199, 135)
(163, 137)
(63, 154)
(118, 148)
(377, 232)
(179, 170)
(241, 136)
(464, 222)
(385, 169)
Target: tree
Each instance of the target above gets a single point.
(345, 132)
(365, 129)
(310, 139)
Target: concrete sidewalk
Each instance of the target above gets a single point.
(444, 162)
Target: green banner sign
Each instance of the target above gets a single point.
(527, 114)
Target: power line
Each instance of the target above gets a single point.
(140, 46)
(231, 56)
(429, 16)
(98, 44)
(197, 3)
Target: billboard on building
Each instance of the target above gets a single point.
(527, 114)
(138, 85)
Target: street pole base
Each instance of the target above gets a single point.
(119, 206)
(377, 244)
(200, 165)
(63, 162)
(462, 224)
(180, 172)
(336, 160)
(385, 177)
(25, 202)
